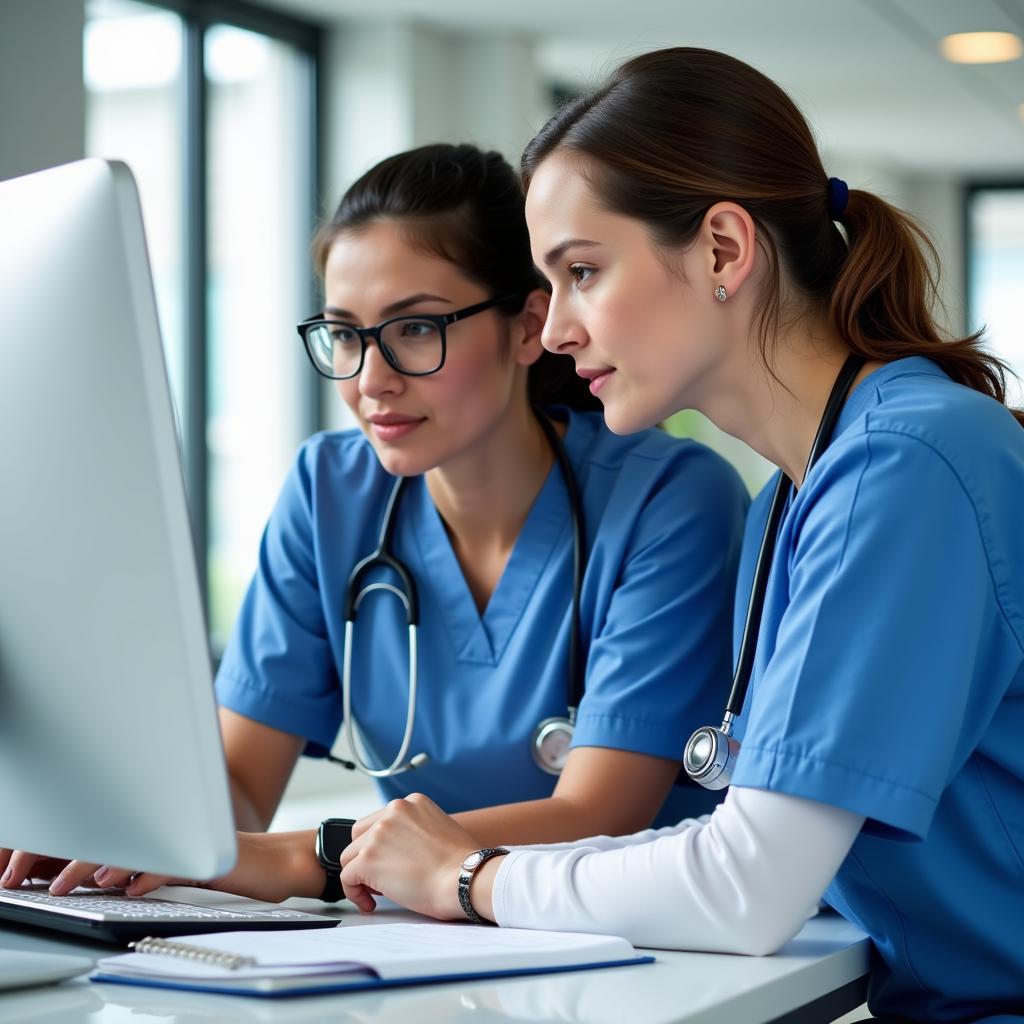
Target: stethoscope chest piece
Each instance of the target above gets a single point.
(550, 746)
(710, 757)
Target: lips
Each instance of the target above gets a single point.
(590, 374)
(597, 377)
(393, 426)
(391, 419)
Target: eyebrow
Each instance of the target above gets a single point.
(554, 255)
(394, 308)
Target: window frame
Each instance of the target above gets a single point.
(970, 190)
(307, 37)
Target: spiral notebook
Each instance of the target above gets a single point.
(350, 959)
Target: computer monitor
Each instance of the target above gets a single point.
(109, 746)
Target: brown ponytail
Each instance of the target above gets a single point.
(675, 131)
(881, 302)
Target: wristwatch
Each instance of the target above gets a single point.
(466, 872)
(333, 835)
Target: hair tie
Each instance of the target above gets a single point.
(838, 197)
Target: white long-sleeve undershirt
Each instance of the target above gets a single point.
(741, 880)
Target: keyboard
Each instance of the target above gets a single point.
(109, 915)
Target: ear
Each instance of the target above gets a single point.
(529, 324)
(730, 243)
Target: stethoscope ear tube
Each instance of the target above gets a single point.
(710, 754)
(382, 556)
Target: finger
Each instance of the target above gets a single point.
(351, 851)
(47, 868)
(5, 866)
(357, 890)
(364, 824)
(71, 877)
(113, 878)
(361, 896)
(18, 868)
(144, 882)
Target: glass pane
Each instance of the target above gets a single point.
(259, 287)
(996, 299)
(133, 80)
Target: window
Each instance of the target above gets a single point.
(995, 274)
(213, 106)
(134, 112)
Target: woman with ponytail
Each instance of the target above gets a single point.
(429, 246)
(701, 257)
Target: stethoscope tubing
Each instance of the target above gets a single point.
(382, 555)
(711, 753)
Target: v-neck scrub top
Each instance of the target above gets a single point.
(889, 681)
(664, 523)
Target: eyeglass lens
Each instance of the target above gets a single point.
(409, 344)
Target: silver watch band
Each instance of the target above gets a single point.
(466, 872)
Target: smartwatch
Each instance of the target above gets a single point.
(333, 835)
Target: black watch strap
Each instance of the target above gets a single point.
(332, 837)
(466, 872)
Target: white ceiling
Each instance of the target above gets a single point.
(866, 72)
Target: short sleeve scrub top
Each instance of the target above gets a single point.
(664, 522)
(889, 681)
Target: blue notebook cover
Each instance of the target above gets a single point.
(361, 985)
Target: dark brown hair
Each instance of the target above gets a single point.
(673, 132)
(465, 206)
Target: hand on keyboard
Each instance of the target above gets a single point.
(19, 866)
(270, 867)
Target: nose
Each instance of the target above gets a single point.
(378, 376)
(563, 333)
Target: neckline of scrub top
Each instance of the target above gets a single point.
(482, 639)
(860, 399)
(861, 396)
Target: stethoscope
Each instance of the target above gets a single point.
(552, 737)
(710, 755)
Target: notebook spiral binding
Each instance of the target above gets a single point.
(188, 951)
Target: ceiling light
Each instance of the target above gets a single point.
(981, 47)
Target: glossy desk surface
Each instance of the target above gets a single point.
(828, 955)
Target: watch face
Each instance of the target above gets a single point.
(335, 835)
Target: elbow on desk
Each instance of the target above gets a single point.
(743, 935)
(765, 934)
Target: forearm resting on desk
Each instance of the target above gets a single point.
(742, 880)
(601, 790)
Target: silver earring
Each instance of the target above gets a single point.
(721, 294)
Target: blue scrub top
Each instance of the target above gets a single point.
(664, 522)
(889, 680)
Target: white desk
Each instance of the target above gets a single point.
(817, 977)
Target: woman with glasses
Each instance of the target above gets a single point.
(700, 257)
(430, 331)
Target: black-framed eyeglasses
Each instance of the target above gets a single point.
(413, 345)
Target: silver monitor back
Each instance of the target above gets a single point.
(109, 745)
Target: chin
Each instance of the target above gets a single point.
(402, 463)
(624, 420)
